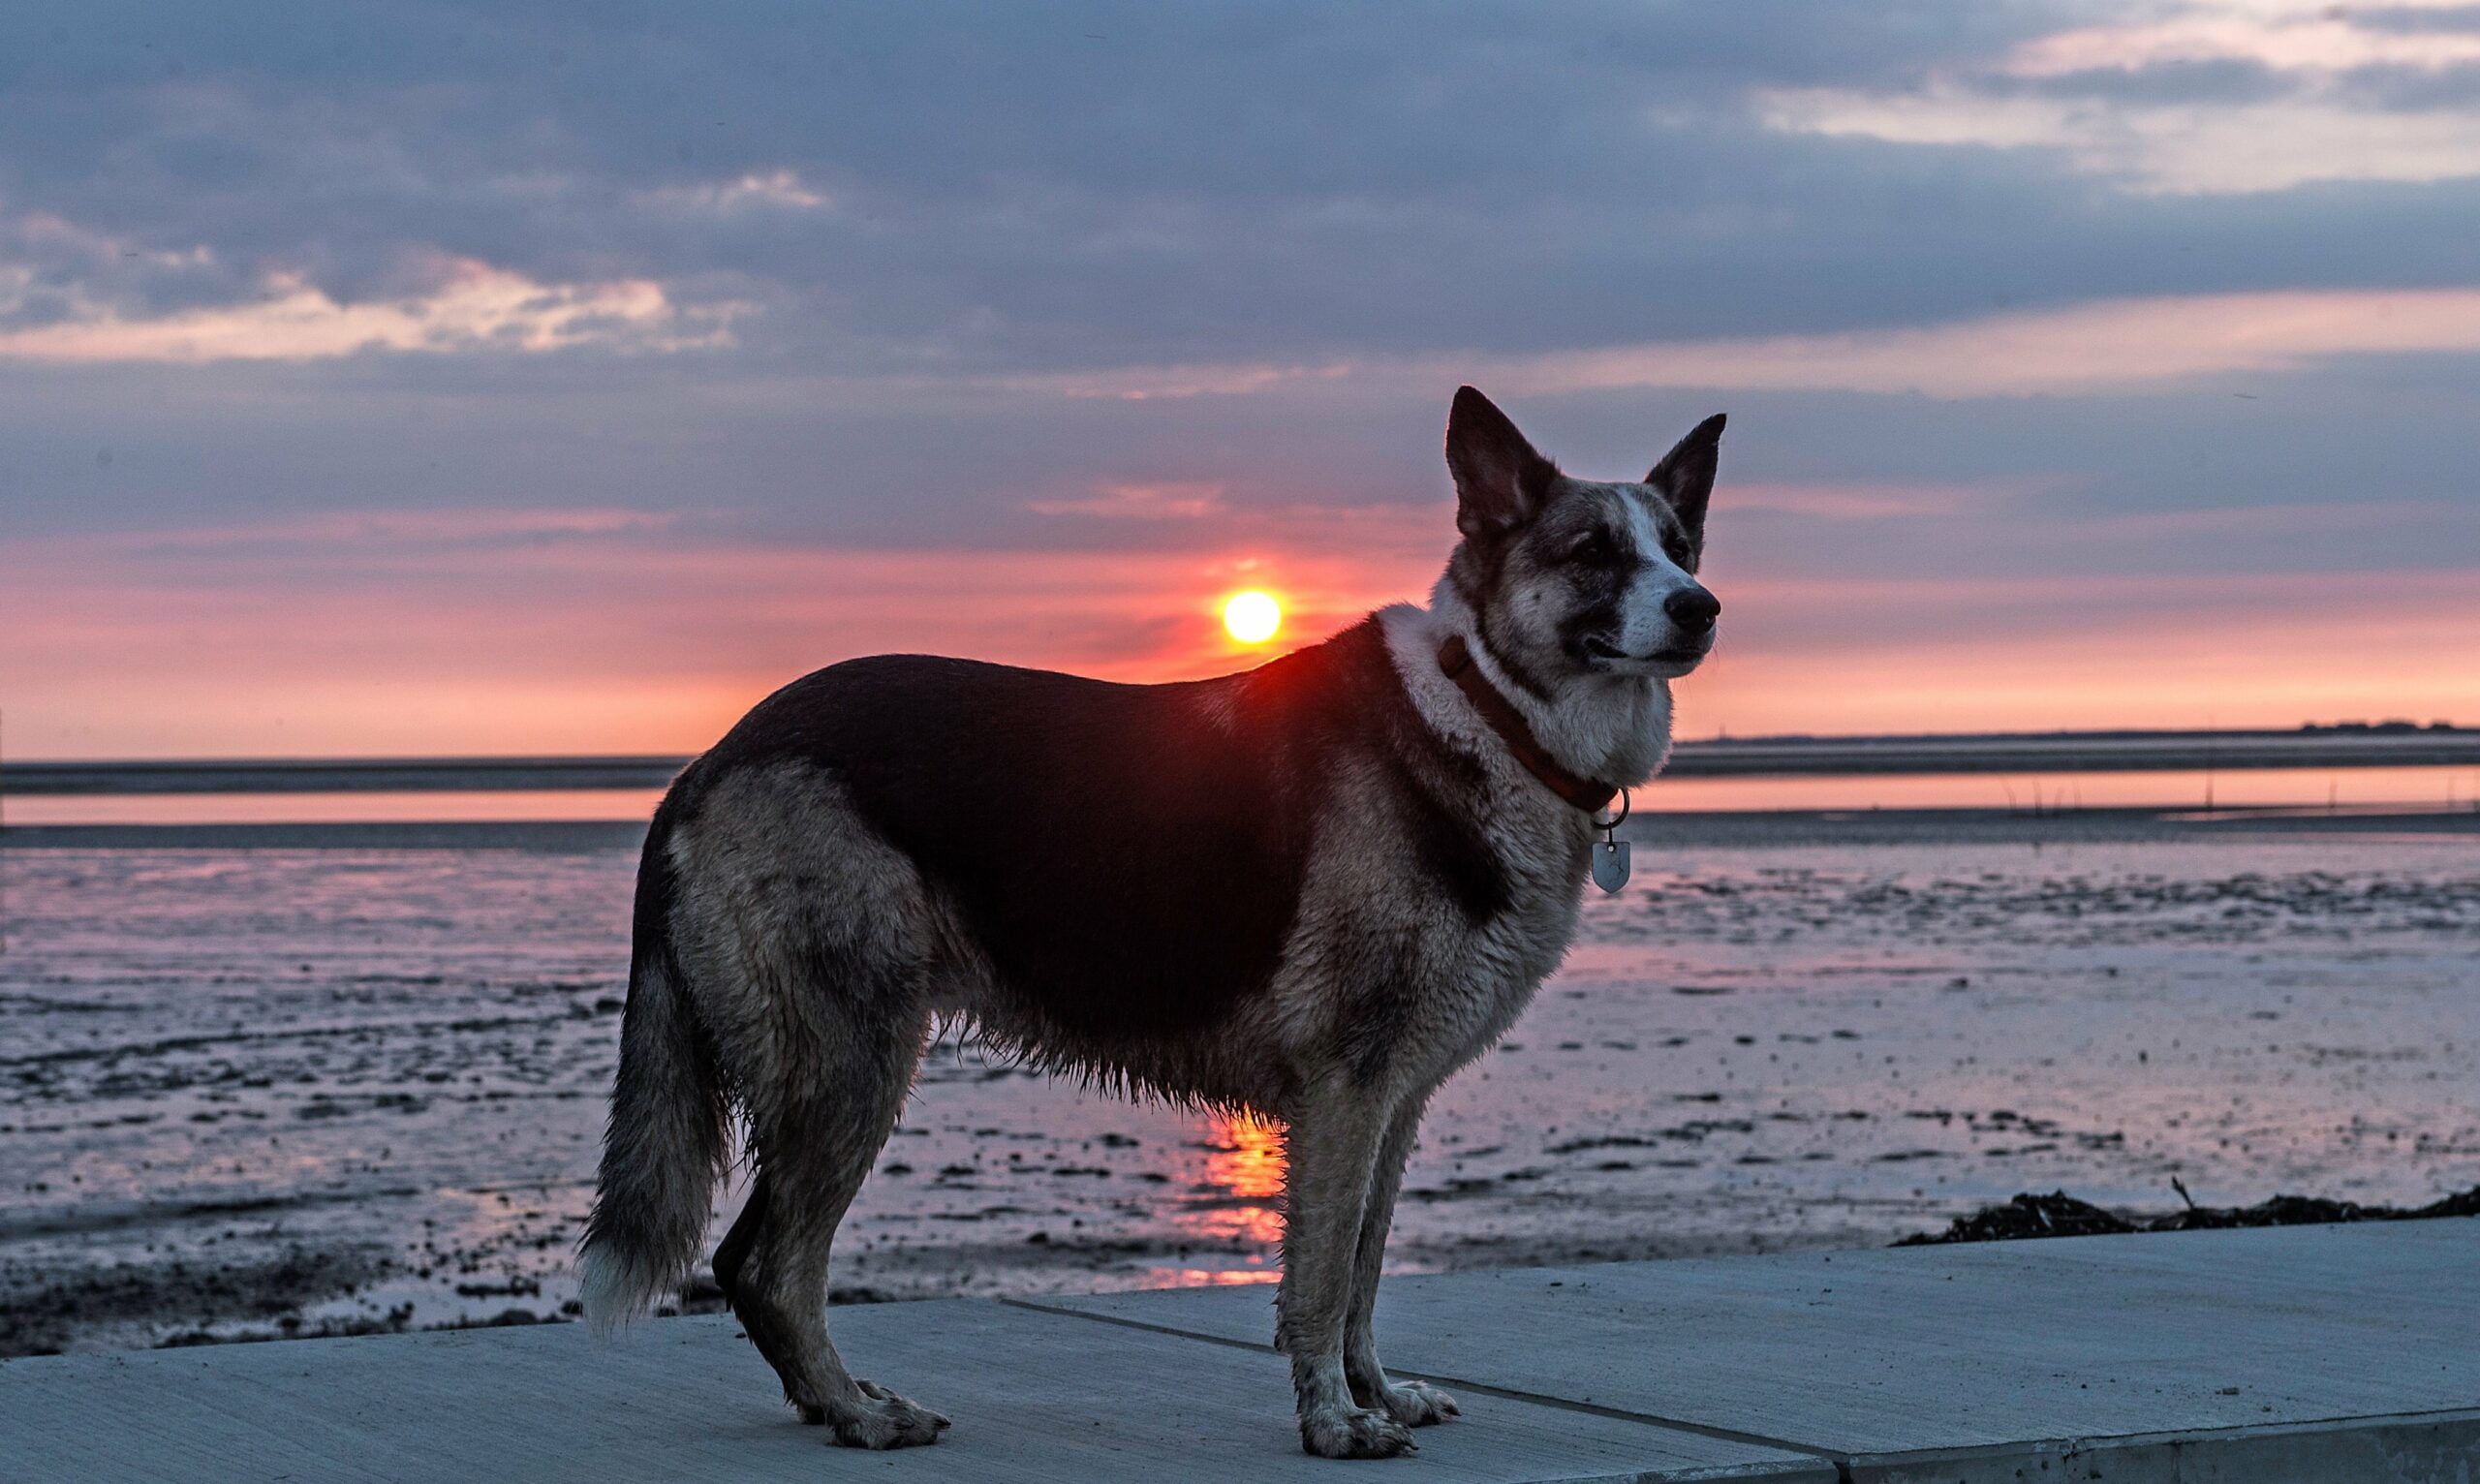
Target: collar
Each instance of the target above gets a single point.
(1590, 794)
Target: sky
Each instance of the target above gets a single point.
(417, 379)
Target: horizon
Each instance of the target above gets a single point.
(2386, 727)
(2088, 368)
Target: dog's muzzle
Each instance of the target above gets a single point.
(1692, 611)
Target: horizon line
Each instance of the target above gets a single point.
(2344, 745)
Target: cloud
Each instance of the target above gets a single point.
(1176, 501)
(1172, 382)
(2312, 38)
(2083, 348)
(1301, 183)
(2176, 148)
(1857, 501)
(1035, 191)
(2108, 344)
(2068, 91)
(473, 307)
(777, 188)
(397, 533)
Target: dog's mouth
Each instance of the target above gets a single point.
(1601, 652)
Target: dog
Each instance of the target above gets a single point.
(1309, 890)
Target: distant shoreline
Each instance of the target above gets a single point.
(1655, 829)
(2012, 752)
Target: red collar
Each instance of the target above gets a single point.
(1590, 794)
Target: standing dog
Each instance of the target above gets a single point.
(1312, 889)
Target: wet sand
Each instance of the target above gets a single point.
(256, 1092)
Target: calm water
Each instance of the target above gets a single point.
(2399, 788)
(246, 1088)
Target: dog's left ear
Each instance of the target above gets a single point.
(1686, 475)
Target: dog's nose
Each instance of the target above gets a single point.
(1693, 610)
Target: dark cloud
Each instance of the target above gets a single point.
(902, 199)
(2219, 80)
(2418, 20)
(1092, 185)
(2413, 89)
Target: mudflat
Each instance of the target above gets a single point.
(258, 1091)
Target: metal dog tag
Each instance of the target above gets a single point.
(1610, 852)
(1609, 863)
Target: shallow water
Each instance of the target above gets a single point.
(252, 1090)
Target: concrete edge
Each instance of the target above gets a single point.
(2410, 1446)
(1803, 1460)
(2415, 1446)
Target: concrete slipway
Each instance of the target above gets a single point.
(2301, 1353)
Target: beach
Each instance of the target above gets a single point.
(255, 1091)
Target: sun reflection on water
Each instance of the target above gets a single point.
(1250, 1160)
(1238, 1197)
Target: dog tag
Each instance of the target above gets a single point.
(1609, 863)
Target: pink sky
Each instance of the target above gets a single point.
(582, 631)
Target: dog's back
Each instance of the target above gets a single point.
(1125, 859)
(1124, 856)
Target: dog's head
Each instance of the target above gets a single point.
(1571, 577)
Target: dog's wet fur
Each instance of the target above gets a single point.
(1309, 890)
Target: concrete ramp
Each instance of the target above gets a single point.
(2328, 1353)
(2301, 1352)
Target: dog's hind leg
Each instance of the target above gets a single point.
(731, 1253)
(1415, 1403)
(1332, 1148)
(845, 1052)
(802, 939)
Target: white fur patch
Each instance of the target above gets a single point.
(1645, 625)
(612, 1293)
(1614, 728)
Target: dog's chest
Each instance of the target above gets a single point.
(1495, 968)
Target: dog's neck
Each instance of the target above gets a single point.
(1612, 727)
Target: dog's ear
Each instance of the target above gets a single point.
(1686, 475)
(1499, 481)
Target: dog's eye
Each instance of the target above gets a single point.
(1677, 550)
(1595, 549)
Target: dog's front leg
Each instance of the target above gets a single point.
(1333, 1146)
(1415, 1403)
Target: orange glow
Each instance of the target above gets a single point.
(1252, 617)
(1219, 1278)
(599, 632)
(1244, 1165)
(1251, 1160)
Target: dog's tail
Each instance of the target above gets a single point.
(666, 1145)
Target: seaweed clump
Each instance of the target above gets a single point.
(2061, 1215)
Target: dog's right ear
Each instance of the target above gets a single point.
(1499, 481)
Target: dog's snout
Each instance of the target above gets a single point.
(1693, 610)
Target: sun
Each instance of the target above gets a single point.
(1252, 617)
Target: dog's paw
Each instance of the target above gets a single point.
(877, 1419)
(1353, 1431)
(1418, 1404)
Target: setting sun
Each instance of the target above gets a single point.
(1252, 617)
